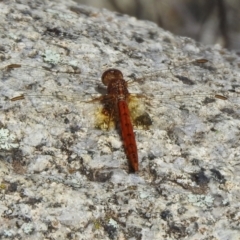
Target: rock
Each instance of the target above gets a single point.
(62, 49)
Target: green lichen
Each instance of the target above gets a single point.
(97, 224)
(113, 222)
(51, 57)
(7, 140)
(201, 200)
(3, 186)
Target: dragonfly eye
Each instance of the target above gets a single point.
(110, 75)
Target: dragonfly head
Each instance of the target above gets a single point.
(110, 75)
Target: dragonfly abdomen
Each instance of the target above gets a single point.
(128, 136)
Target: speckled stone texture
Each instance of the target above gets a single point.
(60, 178)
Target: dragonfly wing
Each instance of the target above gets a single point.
(184, 114)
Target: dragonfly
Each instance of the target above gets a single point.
(122, 108)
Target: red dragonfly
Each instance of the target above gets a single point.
(116, 103)
(115, 107)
